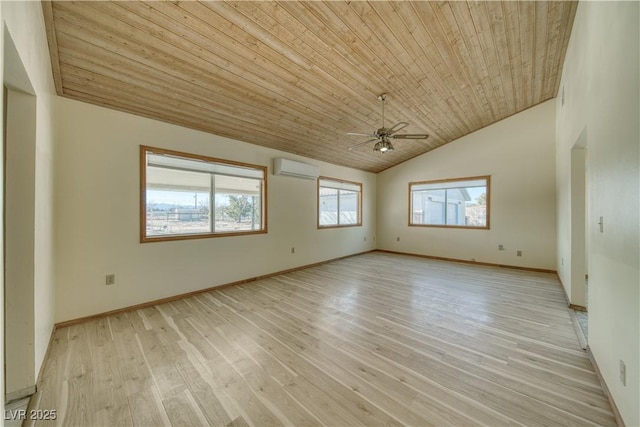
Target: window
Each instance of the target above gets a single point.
(461, 202)
(339, 203)
(186, 196)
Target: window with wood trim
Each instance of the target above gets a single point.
(339, 203)
(188, 196)
(459, 202)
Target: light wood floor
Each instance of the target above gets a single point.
(377, 339)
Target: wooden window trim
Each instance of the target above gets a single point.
(342, 181)
(450, 180)
(143, 195)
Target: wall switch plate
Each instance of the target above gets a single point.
(293, 250)
(601, 224)
(397, 239)
(110, 279)
(365, 238)
(518, 253)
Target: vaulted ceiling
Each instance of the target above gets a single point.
(298, 76)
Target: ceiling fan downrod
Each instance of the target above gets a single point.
(382, 97)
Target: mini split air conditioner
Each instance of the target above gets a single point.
(286, 167)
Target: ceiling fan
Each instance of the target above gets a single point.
(384, 135)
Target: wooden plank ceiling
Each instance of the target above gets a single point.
(297, 76)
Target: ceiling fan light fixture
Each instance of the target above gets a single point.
(383, 146)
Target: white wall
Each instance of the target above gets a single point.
(2, 321)
(518, 154)
(19, 221)
(24, 23)
(602, 96)
(97, 210)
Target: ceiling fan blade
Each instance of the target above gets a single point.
(411, 136)
(362, 143)
(397, 127)
(360, 134)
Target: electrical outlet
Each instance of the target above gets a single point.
(293, 250)
(501, 247)
(110, 279)
(518, 253)
(623, 373)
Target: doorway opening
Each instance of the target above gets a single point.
(579, 234)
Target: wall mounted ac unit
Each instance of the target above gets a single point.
(288, 167)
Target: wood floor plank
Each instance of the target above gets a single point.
(368, 340)
(148, 410)
(205, 395)
(183, 410)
